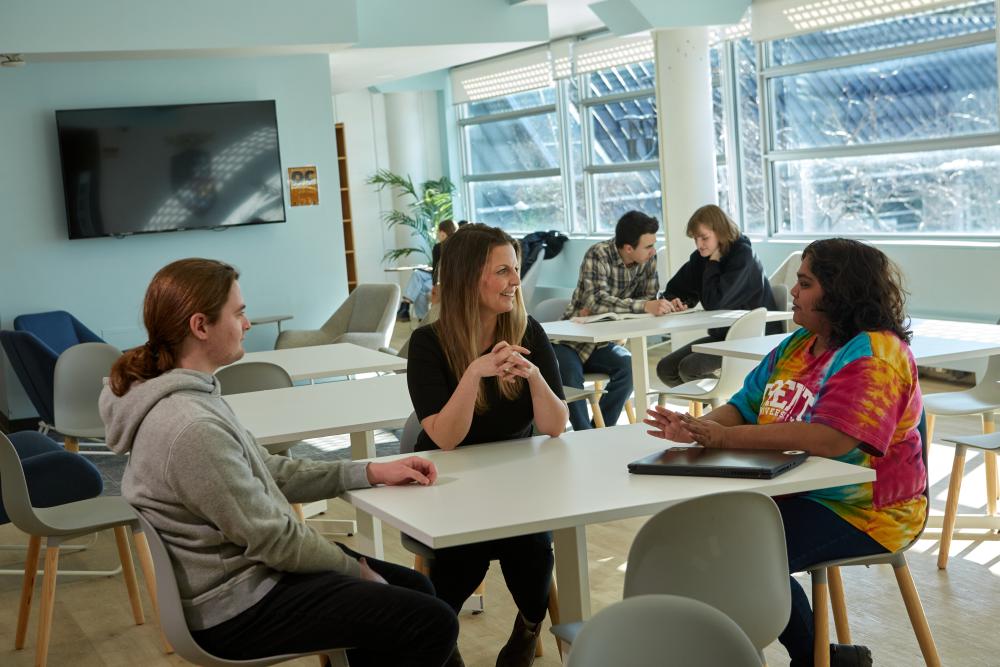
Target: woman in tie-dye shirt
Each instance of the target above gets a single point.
(845, 387)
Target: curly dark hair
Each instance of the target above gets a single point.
(862, 289)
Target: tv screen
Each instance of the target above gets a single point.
(133, 170)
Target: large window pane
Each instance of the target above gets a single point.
(516, 102)
(620, 192)
(621, 79)
(951, 191)
(525, 205)
(751, 163)
(929, 96)
(623, 131)
(974, 17)
(519, 144)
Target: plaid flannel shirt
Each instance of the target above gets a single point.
(607, 285)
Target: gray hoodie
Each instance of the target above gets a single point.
(218, 500)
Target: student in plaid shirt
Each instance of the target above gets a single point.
(617, 275)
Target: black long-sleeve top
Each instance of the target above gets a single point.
(735, 282)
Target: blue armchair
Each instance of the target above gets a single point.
(33, 348)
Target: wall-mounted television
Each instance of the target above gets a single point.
(133, 170)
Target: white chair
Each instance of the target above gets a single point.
(827, 584)
(787, 272)
(983, 399)
(530, 280)
(171, 612)
(58, 524)
(366, 318)
(79, 379)
(551, 310)
(726, 550)
(717, 391)
(658, 630)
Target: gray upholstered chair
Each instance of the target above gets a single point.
(366, 318)
(171, 612)
(658, 630)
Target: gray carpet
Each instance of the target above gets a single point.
(334, 448)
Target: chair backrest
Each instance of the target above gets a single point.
(786, 272)
(411, 431)
(657, 630)
(14, 491)
(252, 376)
(550, 310)
(780, 293)
(734, 371)
(57, 328)
(370, 308)
(661, 268)
(79, 379)
(529, 282)
(34, 363)
(727, 550)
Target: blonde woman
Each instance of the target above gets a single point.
(484, 372)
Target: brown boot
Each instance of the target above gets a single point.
(519, 651)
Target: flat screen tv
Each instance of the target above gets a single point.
(134, 170)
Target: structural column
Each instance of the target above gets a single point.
(686, 134)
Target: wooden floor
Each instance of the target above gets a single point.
(93, 624)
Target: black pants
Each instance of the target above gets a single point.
(683, 365)
(526, 562)
(401, 624)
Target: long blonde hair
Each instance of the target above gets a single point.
(463, 260)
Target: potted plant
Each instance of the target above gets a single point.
(429, 206)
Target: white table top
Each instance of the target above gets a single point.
(518, 487)
(269, 319)
(323, 361)
(332, 408)
(934, 342)
(602, 332)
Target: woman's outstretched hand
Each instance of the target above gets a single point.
(667, 424)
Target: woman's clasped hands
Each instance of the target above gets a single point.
(505, 362)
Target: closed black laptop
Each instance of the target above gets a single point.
(698, 461)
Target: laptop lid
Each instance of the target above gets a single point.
(699, 461)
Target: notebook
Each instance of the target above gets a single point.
(699, 461)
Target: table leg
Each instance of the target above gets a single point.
(369, 535)
(362, 445)
(640, 373)
(572, 576)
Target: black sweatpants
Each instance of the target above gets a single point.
(402, 624)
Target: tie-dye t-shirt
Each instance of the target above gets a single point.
(868, 390)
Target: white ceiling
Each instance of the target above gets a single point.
(357, 68)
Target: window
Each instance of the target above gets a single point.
(574, 156)
(886, 128)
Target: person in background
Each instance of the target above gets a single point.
(255, 581)
(485, 372)
(419, 292)
(723, 273)
(844, 386)
(617, 275)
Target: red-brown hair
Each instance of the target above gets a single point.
(177, 291)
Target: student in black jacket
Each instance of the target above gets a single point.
(723, 273)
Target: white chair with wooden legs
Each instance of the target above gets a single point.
(56, 525)
(827, 585)
(551, 310)
(983, 399)
(716, 391)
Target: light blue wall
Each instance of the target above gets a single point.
(296, 267)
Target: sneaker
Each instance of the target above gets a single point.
(519, 651)
(850, 655)
(403, 314)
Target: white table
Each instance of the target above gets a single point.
(270, 319)
(636, 330)
(357, 407)
(559, 484)
(935, 342)
(323, 361)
